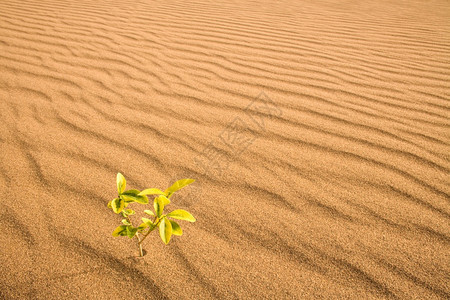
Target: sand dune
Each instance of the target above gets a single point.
(318, 133)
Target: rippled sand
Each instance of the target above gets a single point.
(318, 133)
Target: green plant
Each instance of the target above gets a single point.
(167, 226)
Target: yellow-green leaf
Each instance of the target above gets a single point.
(117, 205)
(109, 204)
(134, 198)
(176, 229)
(147, 221)
(121, 230)
(151, 192)
(149, 212)
(125, 222)
(142, 226)
(121, 183)
(164, 200)
(159, 203)
(142, 199)
(177, 186)
(129, 211)
(181, 214)
(165, 230)
(131, 231)
(132, 192)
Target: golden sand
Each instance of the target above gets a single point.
(318, 133)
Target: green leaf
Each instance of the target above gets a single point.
(148, 222)
(131, 231)
(181, 214)
(109, 204)
(142, 226)
(149, 212)
(121, 183)
(125, 222)
(176, 229)
(177, 186)
(165, 230)
(120, 231)
(159, 203)
(117, 205)
(151, 192)
(134, 198)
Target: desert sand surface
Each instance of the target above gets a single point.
(318, 133)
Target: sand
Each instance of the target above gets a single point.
(318, 133)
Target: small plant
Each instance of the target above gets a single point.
(167, 227)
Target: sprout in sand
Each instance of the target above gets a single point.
(167, 226)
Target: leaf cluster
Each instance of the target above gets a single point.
(157, 217)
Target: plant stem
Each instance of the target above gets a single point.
(141, 251)
(128, 219)
(144, 236)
